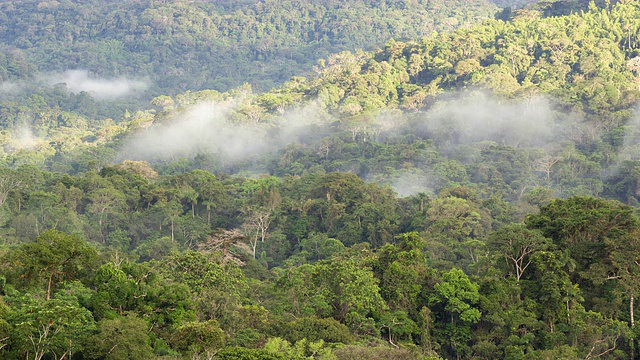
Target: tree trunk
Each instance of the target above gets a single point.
(633, 323)
(101, 233)
(49, 286)
(632, 344)
(254, 245)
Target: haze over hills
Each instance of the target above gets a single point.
(468, 194)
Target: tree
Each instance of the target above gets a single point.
(397, 324)
(319, 246)
(171, 211)
(336, 289)
(210, 190)
(456, 223)
(262, 204)
(55, 327)
(455, 295)
(137, 288)
(302, 349)
(229, 243)
(106, 201)
(123, 337)
(402, 271)
(198, 337)
(54, 257)
(257, 225)
(314, 329)
(517, 244)
(591, 231)
(240, 353)
(9, 180)
(217, 290)
(349, 287)
(621, 267)
(304, 297)
(583, 223)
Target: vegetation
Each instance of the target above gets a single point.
(194, 45)
(469, 195)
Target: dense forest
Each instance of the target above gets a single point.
(195, 45)
(466, 190)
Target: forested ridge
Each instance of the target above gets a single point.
(472, 194)
(194, 45)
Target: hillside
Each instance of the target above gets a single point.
(471, 194)
(194, 45)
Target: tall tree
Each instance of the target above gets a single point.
(53, 327)
(517, 244)
(455, 296)
(52, 258)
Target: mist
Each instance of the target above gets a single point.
(22, 139)
(477, 117)
(457, 123)
(462, 124)
(630, 150)
(629, 141)
(103, 89)
(9, 88)
(411, 182)
(209, 128)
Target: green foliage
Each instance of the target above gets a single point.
(456, 294)
(402, 272)
(320, 247)
(301, 350)
(357, 352)
(198, 337)
(51, 327)
(240, 353)
(517, 245)
(314, 329)
(131, 287)
(398, 325)
(333, 289)
(5, 328)
(456, 291)
(118, 338)
(52, 258)
(583, 226)
(395, 218)
(199, 45)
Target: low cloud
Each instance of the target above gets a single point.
(199, 130)
(478, 117)
(105, 89)
(462, 121)
(412, 182)
(630, 150)
(22, 139)
(209, 128)
(9, 88)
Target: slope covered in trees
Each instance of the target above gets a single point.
(194, 45)
(316, 266)
(469, 195)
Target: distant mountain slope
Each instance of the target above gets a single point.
(192, 45)
(584, 60)
(572, 80)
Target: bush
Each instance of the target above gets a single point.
(314, 329)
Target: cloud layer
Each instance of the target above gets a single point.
(479, 117)
(81, 80)
(208, 128)
(461, 121)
